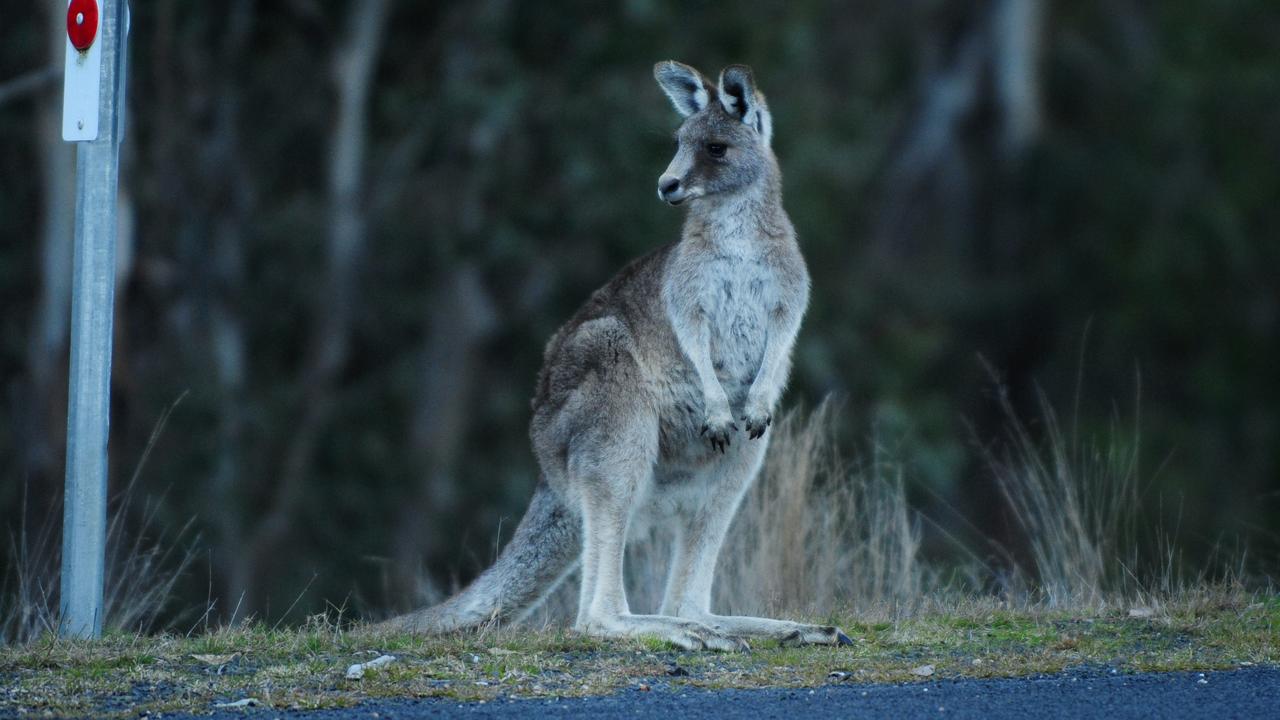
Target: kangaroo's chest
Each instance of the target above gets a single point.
(736, 294)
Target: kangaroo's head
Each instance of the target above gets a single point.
(722, 147)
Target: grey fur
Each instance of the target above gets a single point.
(655, 398)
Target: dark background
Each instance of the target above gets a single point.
(348, 229)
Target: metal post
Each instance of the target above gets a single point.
(84, 527)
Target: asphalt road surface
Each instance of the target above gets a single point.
(1251, 692)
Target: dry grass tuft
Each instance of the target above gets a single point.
(817, 535)
(143, 564)
(1078, 503)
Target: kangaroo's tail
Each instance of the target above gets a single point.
(545, 547)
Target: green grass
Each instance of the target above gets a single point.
(304, 668)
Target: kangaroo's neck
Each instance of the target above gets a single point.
(741, 221)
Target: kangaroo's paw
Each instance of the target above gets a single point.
(718, 429)
(757, 423)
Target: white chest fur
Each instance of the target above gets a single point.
(737, 293)
(729, 289)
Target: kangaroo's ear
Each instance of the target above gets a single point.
(688, 90)
(742, 100)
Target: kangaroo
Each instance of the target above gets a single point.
(655, 400)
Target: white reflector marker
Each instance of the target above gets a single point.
(82, 82)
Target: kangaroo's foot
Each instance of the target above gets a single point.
(784, 631)
(686, 634)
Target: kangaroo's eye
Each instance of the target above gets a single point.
(716, 150)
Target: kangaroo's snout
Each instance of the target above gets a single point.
(670, 190)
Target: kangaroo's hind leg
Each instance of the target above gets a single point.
(610, 467)
(609, 494)
(596, 436)
(699, 536)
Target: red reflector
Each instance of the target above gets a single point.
(82, 23)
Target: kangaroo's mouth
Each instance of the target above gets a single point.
(677, 196)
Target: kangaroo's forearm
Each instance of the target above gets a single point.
(695, 340)
(769, 381)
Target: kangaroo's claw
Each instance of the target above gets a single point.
(757, 424)
(718, 431)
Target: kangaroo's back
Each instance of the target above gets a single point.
(630, 296)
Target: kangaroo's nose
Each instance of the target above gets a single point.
(668, 185)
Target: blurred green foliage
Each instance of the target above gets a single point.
(1124, 263)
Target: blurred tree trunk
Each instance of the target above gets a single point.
(1018, 29)
(1018, 325)
(354, 61)
(952, 194)
(233, 194)
(979, 105)
(461, 317)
